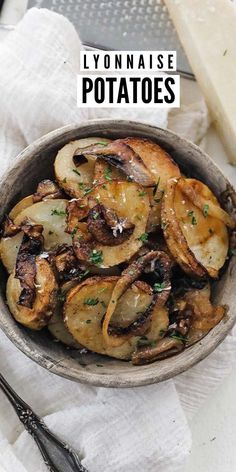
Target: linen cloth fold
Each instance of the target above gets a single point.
(123, 430)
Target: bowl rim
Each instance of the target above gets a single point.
(123, 379)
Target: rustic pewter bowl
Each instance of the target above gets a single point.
(36, 163)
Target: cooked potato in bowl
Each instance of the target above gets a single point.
(120, 252)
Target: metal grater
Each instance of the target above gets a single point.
(121, 25)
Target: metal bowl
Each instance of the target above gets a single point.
(36, 163)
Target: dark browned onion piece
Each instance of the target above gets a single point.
(9, 228)
(47, 190)
(25, 271)
(166, 347)
(107, 228)
(77, 210)
(122, 157)
(128, 276)
(65, 263)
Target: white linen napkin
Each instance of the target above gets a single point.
(123, 430)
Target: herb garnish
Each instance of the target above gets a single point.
(61, 295)
(205, 210)
(225, 52)
(178, 336)
(193, 220)
(87, 191)
(103, 143)
(96, 257)
(83, 274)
(107, 174)
(76, 171)
(95, 215)
(88, 321)
(91, 301)
(159, 287)
(58, 212)
(64, 180)
(144, 341)
(233, 251)
(143, 237)
(156, 187)
(141, 193)
(50, 232)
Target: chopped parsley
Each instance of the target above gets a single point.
(95, 215)
(81, 185)
(84, 274)
(107, 174)
(159, 199)
(88, 321)
(156, 187)
(64, 180)
(76, 171)
(103, 143)
(61, 295)
(103, 304)
(225, 52)
(193, 218)
(87, 191)
(104, 186)
(141, 193)
(144, 341)
(205, 210)
(91, 301)
(50, 232)
(58, 212)
(138, 217)
(143, 237)
(159, 287)
(178, 336)
(74, 231)
(131, 272)
(233, 251)
(96, 257)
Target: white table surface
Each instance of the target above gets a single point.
(214, 426)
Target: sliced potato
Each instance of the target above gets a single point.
(84, 318)
(198, 241)
(162, 168)
(45, 301)
(125, 199)
(20, 206)
(75, 179)
(9, 248)
(51, 214)
(57, 328)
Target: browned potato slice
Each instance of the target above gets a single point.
(20, 206)
(46, 289)
(85, 308)
(162, 167)
(49, 213)
(76, 179)
(197, 240)
(125, 199)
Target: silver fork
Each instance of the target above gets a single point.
(57, 455)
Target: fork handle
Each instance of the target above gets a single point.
(58, 456)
